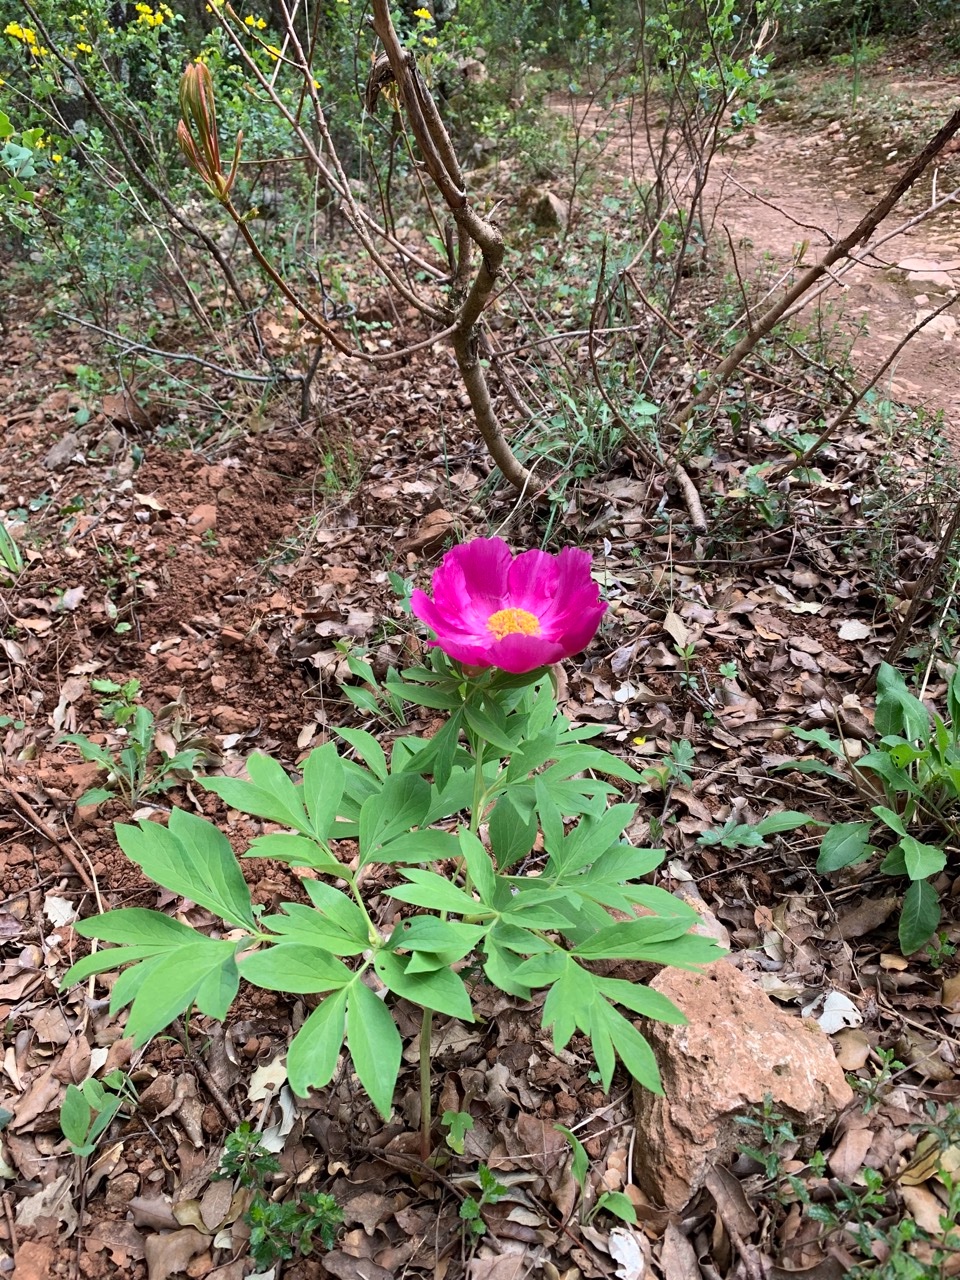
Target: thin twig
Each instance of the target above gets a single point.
(28, 811)
(223, 1103)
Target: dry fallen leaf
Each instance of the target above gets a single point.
(676, 628)
(171, 1252)
(627, 1251)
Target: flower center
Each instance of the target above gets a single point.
(513, 622)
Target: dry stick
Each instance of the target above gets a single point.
(28, 811)
(335, 179)
(223, 1103)
(830, 429)
(864, 228)
(442, 165)
(870, 251)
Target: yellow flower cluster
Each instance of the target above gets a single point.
(424, 14)
(149, 17)
(251, 21)
(27, 37)
(84, 48)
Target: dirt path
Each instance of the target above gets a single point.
(785, 183)
(819, 181)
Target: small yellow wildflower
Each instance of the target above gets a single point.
(56, 157)
(273, 51)
(423, 14)
(84, 48)
(41, 142)
(432, 41)
(24, 34)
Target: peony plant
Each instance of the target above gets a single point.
(496, 847)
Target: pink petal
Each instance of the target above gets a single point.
(574, 631)
(532, 581)
(469, 652)
(518, 654)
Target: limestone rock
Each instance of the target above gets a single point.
(737, 1047)
(548, 211)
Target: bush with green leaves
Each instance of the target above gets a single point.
(494, 849)
(911, 782)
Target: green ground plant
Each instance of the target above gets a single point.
(417, 818)
(142, 768)
(913, 775)
(615, 1203)
(279, 1230)
(491, 1192)
(886, 1245)
(89, 1109)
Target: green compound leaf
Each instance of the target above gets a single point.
(512, 835)
(271, 795)
(427, 889)
(401, 804)
(440, 989)
(162, 987)
(324, 780)
(293, 967)
(299, 923)
(315, 1049)
(479, 866)
(296, 851)
(191, 857)
(428, 933)
(368, 749)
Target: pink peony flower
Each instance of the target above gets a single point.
(493, 609)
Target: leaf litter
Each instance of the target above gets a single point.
(233, 596)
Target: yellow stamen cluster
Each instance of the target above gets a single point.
(513, 622)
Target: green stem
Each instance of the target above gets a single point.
(426, 1024)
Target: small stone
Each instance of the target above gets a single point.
(62, 452)
(548, 211)
(736, 1048)
(202, 518)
